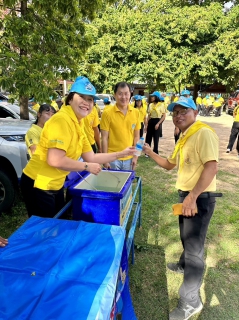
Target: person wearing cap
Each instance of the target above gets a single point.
(176, 97)
(120, 125)
(196, 158)
(32, 136)
(138, 103)
(156, 116)
(186, 93)
(62, 143)
(91, 127)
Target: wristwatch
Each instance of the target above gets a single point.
(86, 165)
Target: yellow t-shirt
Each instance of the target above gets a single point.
(142, 113)
(91, 121)
(157, 110)
(201, 147)
(217, 104)
(121, 128)
(236, 114)
(221, 100)
(167, 100)
(199, 100)
(63, 131)
(32, 137)
(175, 99)
(204, 101)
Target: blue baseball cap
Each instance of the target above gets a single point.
(184, 102)
(156, 94)
(185, 92)
(82, 85)
(138, 97)
(106, 101)
(161, 98)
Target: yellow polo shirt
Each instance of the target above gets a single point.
(121, 128)
(157, 110)
(91, 121)
(63, 131)
(175, 99)
(32, 137)
(201, 147)
(142, 113)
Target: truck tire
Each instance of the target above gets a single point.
(7, 192)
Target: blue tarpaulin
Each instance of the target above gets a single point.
(60, 269)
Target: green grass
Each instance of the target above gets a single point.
(154, 289)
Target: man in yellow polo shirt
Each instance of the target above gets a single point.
(196, 158)
(120, 125)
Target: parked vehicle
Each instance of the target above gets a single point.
(232, 102)
(102, 96)
(8, 110)
(13, 158)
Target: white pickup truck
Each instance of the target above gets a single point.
(13, 158)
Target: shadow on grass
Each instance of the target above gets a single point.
(221, 292)
(148, 283)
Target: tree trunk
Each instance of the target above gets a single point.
(195, 91)
(24, 112)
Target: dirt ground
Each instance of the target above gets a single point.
(222, 126)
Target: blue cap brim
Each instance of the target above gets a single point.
(180, 103)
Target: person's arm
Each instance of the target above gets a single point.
(162, 162)
(97, 138)
(207, 175)
(3, 242)
(160, 121)
(57, 158)
(104, 141)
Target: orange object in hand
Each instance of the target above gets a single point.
(178, 209)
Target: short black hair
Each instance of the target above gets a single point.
(69, 98)
(122, 84)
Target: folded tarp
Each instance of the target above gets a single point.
(60, 269)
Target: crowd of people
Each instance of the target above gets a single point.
(79, 129)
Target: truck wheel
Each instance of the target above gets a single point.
(7, 192)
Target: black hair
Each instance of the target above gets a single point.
(156, 99)
(121, 85)
(44, 107)
(69, 98)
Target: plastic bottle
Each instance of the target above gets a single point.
(139, 147)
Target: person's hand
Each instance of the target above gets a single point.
(106, 165)
(134, 162)
(156, 126)
(128, 152)
(94, 168)
(3, 242)
(146, 149)
(189, 206)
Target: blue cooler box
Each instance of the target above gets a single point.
(104, 198)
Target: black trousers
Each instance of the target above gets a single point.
(193, 231)
(218, 111)
(42, 203)
(141, 131)
(234, 134)
(153, 134)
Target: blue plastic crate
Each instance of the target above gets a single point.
(107, 204)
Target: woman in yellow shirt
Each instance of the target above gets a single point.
(138, 103)
(156, 116)
(62, 143)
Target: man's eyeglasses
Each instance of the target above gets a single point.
(180, 112)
